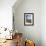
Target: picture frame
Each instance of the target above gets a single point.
(13, 22)
(28, 19)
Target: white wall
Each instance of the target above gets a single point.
(43, 22)
(30, 32)
(6, 13)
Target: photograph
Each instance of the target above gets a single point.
(28, 19)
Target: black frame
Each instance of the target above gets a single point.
(28, 19)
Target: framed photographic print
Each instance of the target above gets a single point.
(28, 19)
(13, 22)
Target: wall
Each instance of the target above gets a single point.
(43, 22)
(29, 32)
(6, 13)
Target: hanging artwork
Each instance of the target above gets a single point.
(13, 23)
(28, 19)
